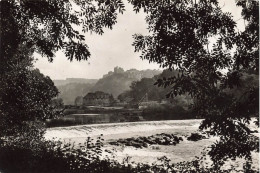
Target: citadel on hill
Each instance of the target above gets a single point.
(114, 82)
(133, 73)
(122, 96)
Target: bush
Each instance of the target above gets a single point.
(50, 156)
(41, 156)
(196, 137)
(53, 157)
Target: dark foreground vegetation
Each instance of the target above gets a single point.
(40, 156)
(179, 37)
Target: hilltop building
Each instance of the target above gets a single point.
(133, 73)
(98, 98)
(118, 70)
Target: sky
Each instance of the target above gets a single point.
(113, 48)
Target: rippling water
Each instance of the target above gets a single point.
(118, 128)
(186, 150)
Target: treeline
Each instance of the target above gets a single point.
(146, 86)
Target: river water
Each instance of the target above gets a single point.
(184, 151)
(83, 131)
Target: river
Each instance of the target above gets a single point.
(184, 151)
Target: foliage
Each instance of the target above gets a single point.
(45, 27)
(180, 31)
(124, 96)
(50, 156)
(202, 42)
(57, 103)
(48, 26)
(26, 95)
(54, 156)
(224, 149)
(138, 89)
(119, 81)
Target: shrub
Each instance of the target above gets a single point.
(196, 137)
(30, 155)
(55, 157)
(50, 156)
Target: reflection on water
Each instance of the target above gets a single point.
(80, 119)
(89, 118)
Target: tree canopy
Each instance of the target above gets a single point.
(25, 96)
(44, 27)
(193, 36)
(138, 90)
(48, 26)
(202, 42)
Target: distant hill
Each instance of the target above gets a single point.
(119, 80)
(70, 91)
(114, 83)
(74, 80)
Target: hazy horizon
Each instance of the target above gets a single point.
(103, 74)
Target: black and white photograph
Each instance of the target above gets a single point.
(129, 86)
